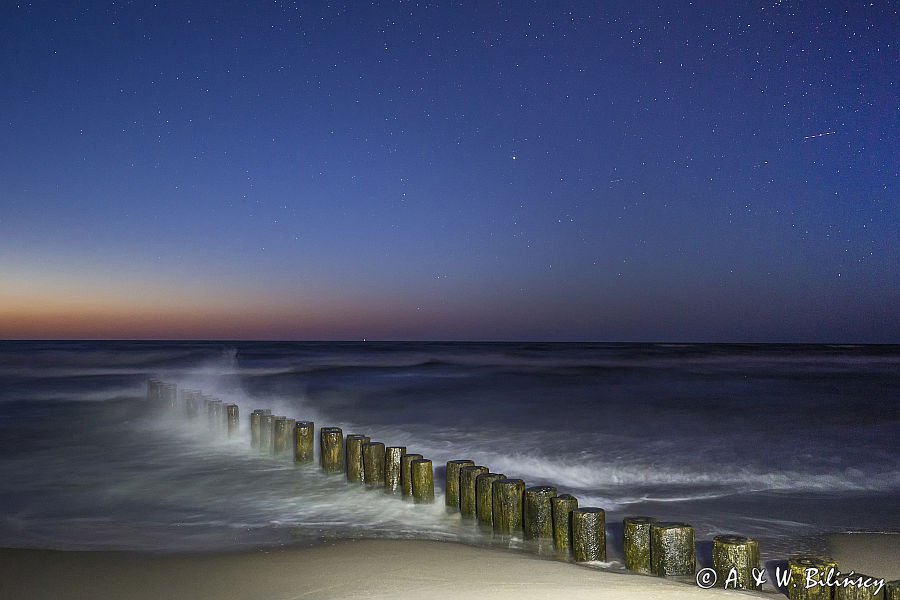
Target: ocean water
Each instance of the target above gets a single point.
(783, 443)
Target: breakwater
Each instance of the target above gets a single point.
(503, 506)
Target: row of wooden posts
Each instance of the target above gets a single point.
(506, 506)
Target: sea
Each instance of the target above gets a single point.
(782, 443)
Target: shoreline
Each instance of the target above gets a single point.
(402, 569)
(369, 568)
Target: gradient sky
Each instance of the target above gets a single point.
(613, 171)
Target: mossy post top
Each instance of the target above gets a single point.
(730, 539)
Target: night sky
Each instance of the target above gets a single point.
(611, 171)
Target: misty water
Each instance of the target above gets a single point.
(783, 443)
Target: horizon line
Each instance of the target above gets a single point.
(451, 341)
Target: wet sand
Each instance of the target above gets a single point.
(347, 569)
(875, 554)
(370, 569)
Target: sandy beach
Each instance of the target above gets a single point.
(875, 554)
(369, 569)
(347, 569)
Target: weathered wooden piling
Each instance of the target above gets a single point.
(467, 476)
(856, 586)
(406, 473)
(451, 481)
(304, 432)
(392, 457)
(561, 508)
(506, 504)
(234, 423)
(589, 534)
(196, 402)
(266, 422)
(289, 437)
(279, 436)
(266, 433)
(354, 456)
(538, 514)
(373, 461)
(169, 395)
(422, 474)
(734, 559)
(216, 414)
(255, 418)
(814, 568)
(191, 402)
(212, 411)
(484, 497)
(331, 449)
(672, 551)
(892, 590)
(636, 543)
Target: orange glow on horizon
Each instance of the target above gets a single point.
(163, 310)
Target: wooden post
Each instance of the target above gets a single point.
(738, 555)
(289, 437)
(234, 423)
(406, 473)
(354, 458)
(219, 419)
(484, 497)
(506, 504)
(266, 422)
(255, 419)
(422, 481)
(561, 508)
(392, 456)
(212, 413)
(856, 586)
(672, 551)
(800, 568)
(636, 542)
(204, 406)
(169, 397)
(331, 449)
(304, 432)
(191, 402)
(589, 534)
(538, 519)
(451, 482)
(467, 476)
(373, 459)
(279, 436)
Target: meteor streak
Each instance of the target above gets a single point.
(809, 137)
